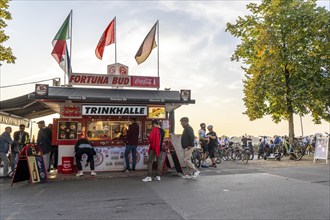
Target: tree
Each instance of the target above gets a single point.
(285, 51)
(5, 52)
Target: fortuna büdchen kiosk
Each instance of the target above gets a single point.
(102, 115)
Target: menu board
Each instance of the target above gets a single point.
(67, 130)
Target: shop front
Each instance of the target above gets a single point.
(103, 115)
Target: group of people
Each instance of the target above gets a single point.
(83, 146)
(156, 151)
(209, 142)
(13, 146)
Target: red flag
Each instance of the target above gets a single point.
(107, 38)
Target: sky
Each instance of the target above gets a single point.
(194, 53)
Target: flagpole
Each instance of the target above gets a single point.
(158, 50)
(71, 12)
(115, 39)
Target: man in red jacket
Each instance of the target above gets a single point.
(132, 139)
(155, 150)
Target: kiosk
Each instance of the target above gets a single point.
(102, 115)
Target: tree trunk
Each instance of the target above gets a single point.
(291, 128)
(289, 104)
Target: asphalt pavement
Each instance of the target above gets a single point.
(259, 190)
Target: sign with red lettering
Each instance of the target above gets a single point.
(113, 80)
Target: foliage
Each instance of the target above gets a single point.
(5, 52)
(285, 50)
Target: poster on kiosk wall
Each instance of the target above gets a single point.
(112, 158)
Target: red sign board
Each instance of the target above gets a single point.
(113, 80)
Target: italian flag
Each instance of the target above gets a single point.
(60, 51)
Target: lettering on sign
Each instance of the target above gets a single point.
(113, 80)
(114, 110)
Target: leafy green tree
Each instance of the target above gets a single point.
(5, 52)
(285, 52)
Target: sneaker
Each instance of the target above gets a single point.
(93, 173)
(214, 165)
(205, 165)
(133, 170)
(147, 179)
(157, 178)
(80, 173)
(187, 176)
(195, 174)
(126, 170)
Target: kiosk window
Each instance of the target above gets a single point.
(110, 130)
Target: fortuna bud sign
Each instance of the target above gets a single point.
(113, 110)
(113, 80)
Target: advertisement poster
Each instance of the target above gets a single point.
(156, 112)
(34, 176)
(321, 148)
(67, 130)
(41, 169)
(112, 158)
(37, 169)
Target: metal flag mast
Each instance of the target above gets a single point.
(69, 56)
(115, 30)
(158, 50)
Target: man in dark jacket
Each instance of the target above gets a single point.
(132, 139)
(5, 143)
(187, 143)
(44, 141)
(21, 137)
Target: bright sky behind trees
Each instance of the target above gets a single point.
(194, 48)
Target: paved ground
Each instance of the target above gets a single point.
(259, 190)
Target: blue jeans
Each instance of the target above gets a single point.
(128, 149)
(14, 160)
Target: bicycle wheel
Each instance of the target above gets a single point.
(251, 155)
(198, 159)
(218, 156)
(245, 156)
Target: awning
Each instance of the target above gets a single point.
(113, 95)
(27, 107)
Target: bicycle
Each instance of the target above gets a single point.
(196, 157)
(241, 153)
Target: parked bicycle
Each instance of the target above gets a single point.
(196, 157)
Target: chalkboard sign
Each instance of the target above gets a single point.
(321, 149)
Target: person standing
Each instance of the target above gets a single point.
(5, 142)
(54, 152)
(212, 145)
(156, 138)
(21, 137)
(44, 140)
(83, 146)
(203, 140)
(132, 139)
(187, 143)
